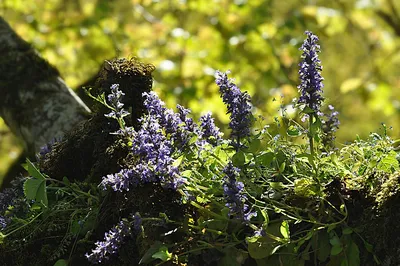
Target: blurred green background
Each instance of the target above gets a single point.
(258, 40)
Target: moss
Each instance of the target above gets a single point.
(90, 151)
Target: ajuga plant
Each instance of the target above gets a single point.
(187, 195)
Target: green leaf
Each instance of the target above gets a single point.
(293, 131)
(305, 187)
(178, 161)
(389, 163)
(162, 254)
(335, 241)
(347, 231)
(266, 158)
(323, 247)
(336, 250)
(315, 127)
(282, 167)
(66, 181)
(353, 254)
(260, 247)
(186, 173)
(308, 110)
(238, 159)
(35, 189)
(264, 214)
(255, 146)
(61, 262)
(147, 257)
(285, 230)
(33, 171)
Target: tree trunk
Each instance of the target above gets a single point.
(35, 102)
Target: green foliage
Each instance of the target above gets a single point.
(289, 203)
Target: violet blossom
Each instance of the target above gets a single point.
(238, 104)
(311, 80)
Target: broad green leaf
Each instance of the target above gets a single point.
(35, 189)
(353, 254)
(255, 146)
(335, 241)
(266, 159)
(260, 247)
(238, 159)
(322, 246)
(347, 231)
(336, 250)
(61, 262)
(33, 171)
(147, 257)
(162, 254)
(389, 163)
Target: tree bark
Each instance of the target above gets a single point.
(35, 102)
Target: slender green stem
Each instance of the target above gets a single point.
(310, 135)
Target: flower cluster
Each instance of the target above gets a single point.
(233, 193)
(329, 127)
(154, 151)
(47, 148)
(6, 199)
(119, 181)
(112, 241)
(114, 99)
(311, 80)
(238, 104)
(209, 131)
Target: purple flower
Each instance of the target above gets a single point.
(119, 181)
(47, 148)
(112, 241)
(208, 129)
(233, 193)
(3, 222)
(137, 222)
(311, 80)
(260, 232)
(187, 128)
(238, 104)
(330, 124)
(114, 100)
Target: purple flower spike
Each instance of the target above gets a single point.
(330, 124)
(209, 131)
(112, 241)
(311, 80)
(238, 104)
(233, 193)
(114, 100)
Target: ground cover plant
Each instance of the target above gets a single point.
(184, 194)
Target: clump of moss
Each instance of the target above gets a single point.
(90, 151)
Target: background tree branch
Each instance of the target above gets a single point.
(36, 103)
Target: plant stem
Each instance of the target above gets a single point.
(310, 135)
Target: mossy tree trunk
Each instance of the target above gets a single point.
(35, 102)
